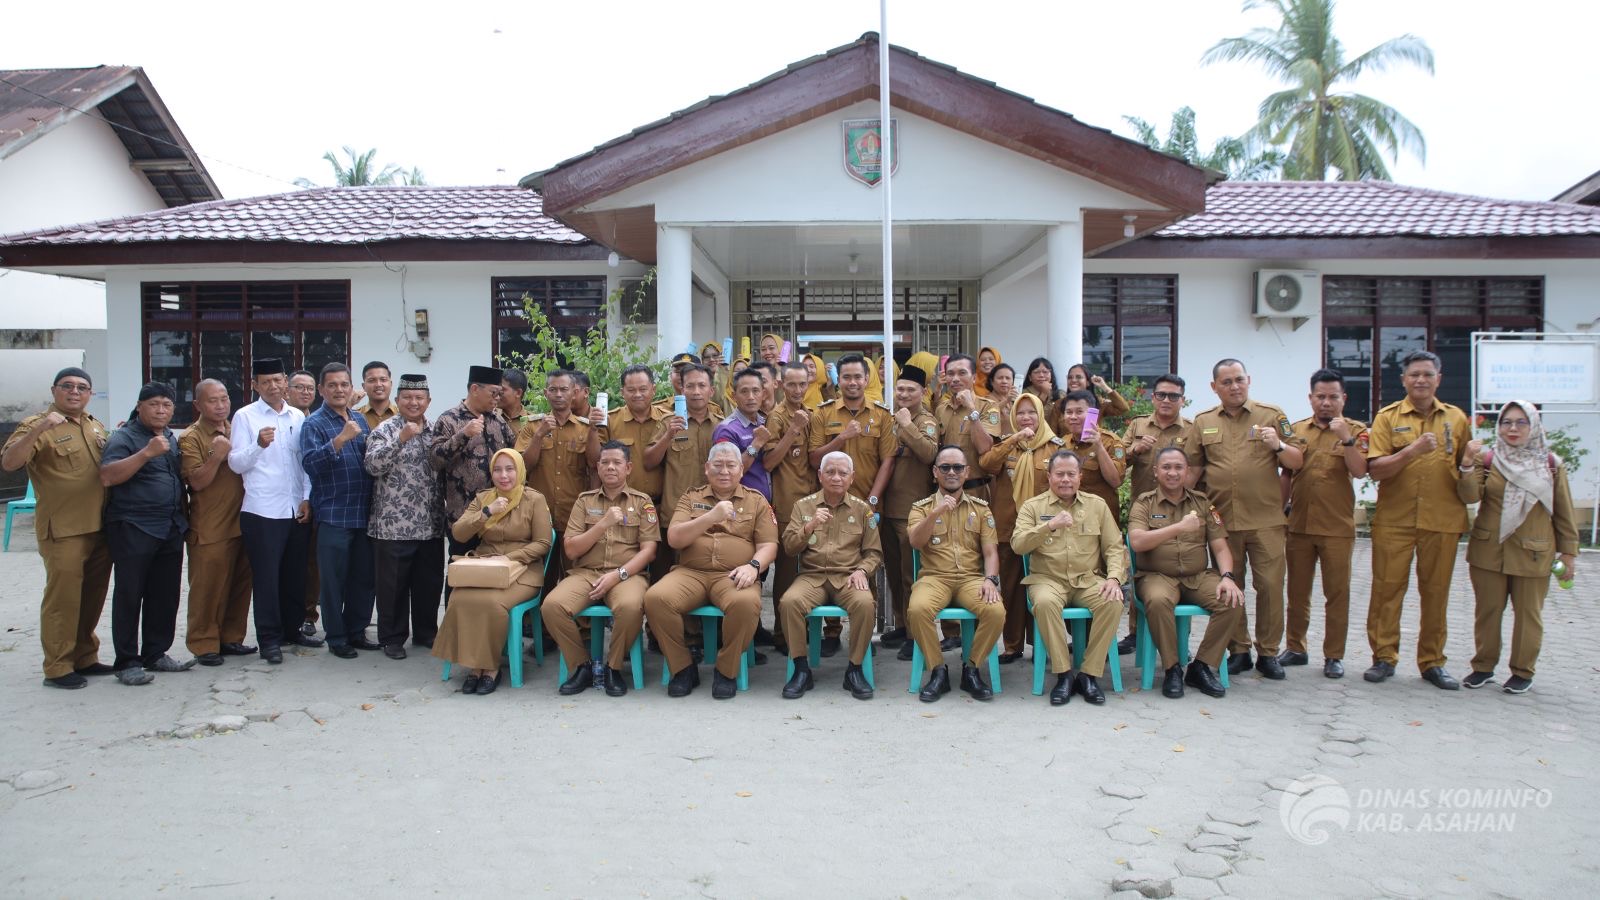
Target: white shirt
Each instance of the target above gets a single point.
(274, 483)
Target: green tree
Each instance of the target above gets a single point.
(363, 171)
(1232, 157)
(1322, 127)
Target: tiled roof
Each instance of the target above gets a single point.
(1370, 209)
(335, 215)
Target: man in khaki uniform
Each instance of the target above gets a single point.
(793, 477)
(61, 448)
(513, 390)
(637, 425)
(1322, 521)
(835, 538)
(955, 534)
(1171, 528)
(558, 449)
(683, 444)
(726, 536)
(1074, 550)
(1102, 455)
(377, 385)
(916, 433)
(967, 421)
(1416, 448)
(611, 537)
(219, 570)
(1244, 445)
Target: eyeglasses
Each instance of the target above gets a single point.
(69, 387)
(1167, 395)
(951, 468)
(1515, 423)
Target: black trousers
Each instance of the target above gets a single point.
(457, 548)
(277, 551)
(410, 577)
(144, 602)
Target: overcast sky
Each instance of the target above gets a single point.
(484, 93)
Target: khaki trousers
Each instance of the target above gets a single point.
(1049, 599)
(784, 570)
(1015, 598)
(1264, 550)
(811, 591)
(1161, 593)
(931, 595)
(668, 601)
(562, 604)
(896, 540)
(1304, 552)
(1392, 550)
(219, 595)
(1527, 595)
(77, 571)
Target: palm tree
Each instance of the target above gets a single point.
(362, 171)
(1323, 128)
(1230, 156)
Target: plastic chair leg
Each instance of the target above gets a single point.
(514, 646)
(813, 641)
(1040, 657)
(445, 675)
(1080, 641)
(866, 669)
(10, 514)
(636, 660)
(917, 667)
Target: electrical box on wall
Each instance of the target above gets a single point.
(1294, 294)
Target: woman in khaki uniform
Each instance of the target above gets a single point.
(1111, 403)
(1524, 522)
(512, 521)
(1020, 465)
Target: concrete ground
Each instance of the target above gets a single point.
(371, 777)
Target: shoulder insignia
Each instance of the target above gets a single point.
(1215, 516)
(923, 502)
(1283, 426)
(978, 500)
(992, 417)
(881, 405)
(650, 513)
(1058, 442)
(827, 403)
(581, 420)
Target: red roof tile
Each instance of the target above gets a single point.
(1369, 209)
(337, 215)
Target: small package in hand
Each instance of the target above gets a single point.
(1091, 424)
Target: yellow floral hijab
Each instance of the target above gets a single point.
(874, 383)
(1022, 484)
(980, 385)
(814, 397)
(514, 496)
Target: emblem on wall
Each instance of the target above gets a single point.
(863, 149)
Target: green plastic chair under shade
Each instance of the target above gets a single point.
(969, 625)
(1077, 619)
(709, 634)
(597, 643)
(814, 642)
(514, 636)
(1145, 654)
(26, 504)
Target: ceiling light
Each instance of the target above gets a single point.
(1127, 225)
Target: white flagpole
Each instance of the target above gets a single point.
(886, 139)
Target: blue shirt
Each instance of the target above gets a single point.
(341, 490)
(736, 429)
(152, 500)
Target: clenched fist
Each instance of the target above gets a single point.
(474, 428)
(157, 446)
(220, 444)
(498, 506)
(410, 430)
(265, 436)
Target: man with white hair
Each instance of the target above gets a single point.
(834, 539)
(726, 536)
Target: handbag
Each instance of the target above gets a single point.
(477, 572)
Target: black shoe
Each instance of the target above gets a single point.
(1380, 671)
(1291, 658)
(615, 683)
(426, 645)
(273, 656)
(893, 638)
(395, 651)
(344, 652)
(800, 682)
(96, 668)
(1239, 663)
(304, 641)
(1127, 645)
(698, 654)
(1007, 659)
(581, 679)
(684, 682)
(972, 682)
(308, 628)
(1441, 679)
(1061, 694)
(1333, 668)
(361, 643)
(830, 646)
(1516, 684)
(1477, 680)
(70, 681)
(1172, 682)
(237, 649)
(488, 683)
(937, 685)
(760, 658)
(723, 687)
(1269, 667)
(1089, 687)
(470, 685)
(1201, 676)
(209, 659)
(764, 638)
(855, 681)
(906, 649)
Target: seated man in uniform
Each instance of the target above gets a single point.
(1172, 526)
(1075, 559)
(611, 538)
(834, 539)
(726, 536)
(954, 532)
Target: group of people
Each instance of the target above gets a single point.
(1000, 499)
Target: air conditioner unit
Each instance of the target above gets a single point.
(1287, 294)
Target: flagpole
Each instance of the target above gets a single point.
(886, 139)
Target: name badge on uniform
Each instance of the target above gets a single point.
(1158, 515)
(1043, 520)
(1399, 428)
(701, 506)
(595, 512)
(1208, 431)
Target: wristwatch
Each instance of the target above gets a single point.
(622, 573)
(1229, 576)
(972, 416)
(1348, 442)
(992, 579)
(755, 564)
(752, 451)
(872, 501)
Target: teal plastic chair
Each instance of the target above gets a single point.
(1077, 619)
(597, 642)
(814, 642)
(25, 505)
(709, 629)
(1145, 654)
(514, 636)
(969, 625)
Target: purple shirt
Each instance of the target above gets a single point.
(741, 432)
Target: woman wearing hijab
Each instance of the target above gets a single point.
(770, 348)
(874, 391)
(1020, 465)
(513, 521)
(1002, 384)
(1111, 403)
(818, 389)
(988, 358)
(1040, 381)
(1524, 523)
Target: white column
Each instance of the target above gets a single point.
(674, 289)
(1064, 295)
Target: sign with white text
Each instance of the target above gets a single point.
(1537, 371)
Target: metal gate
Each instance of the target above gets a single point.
(939, 317)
